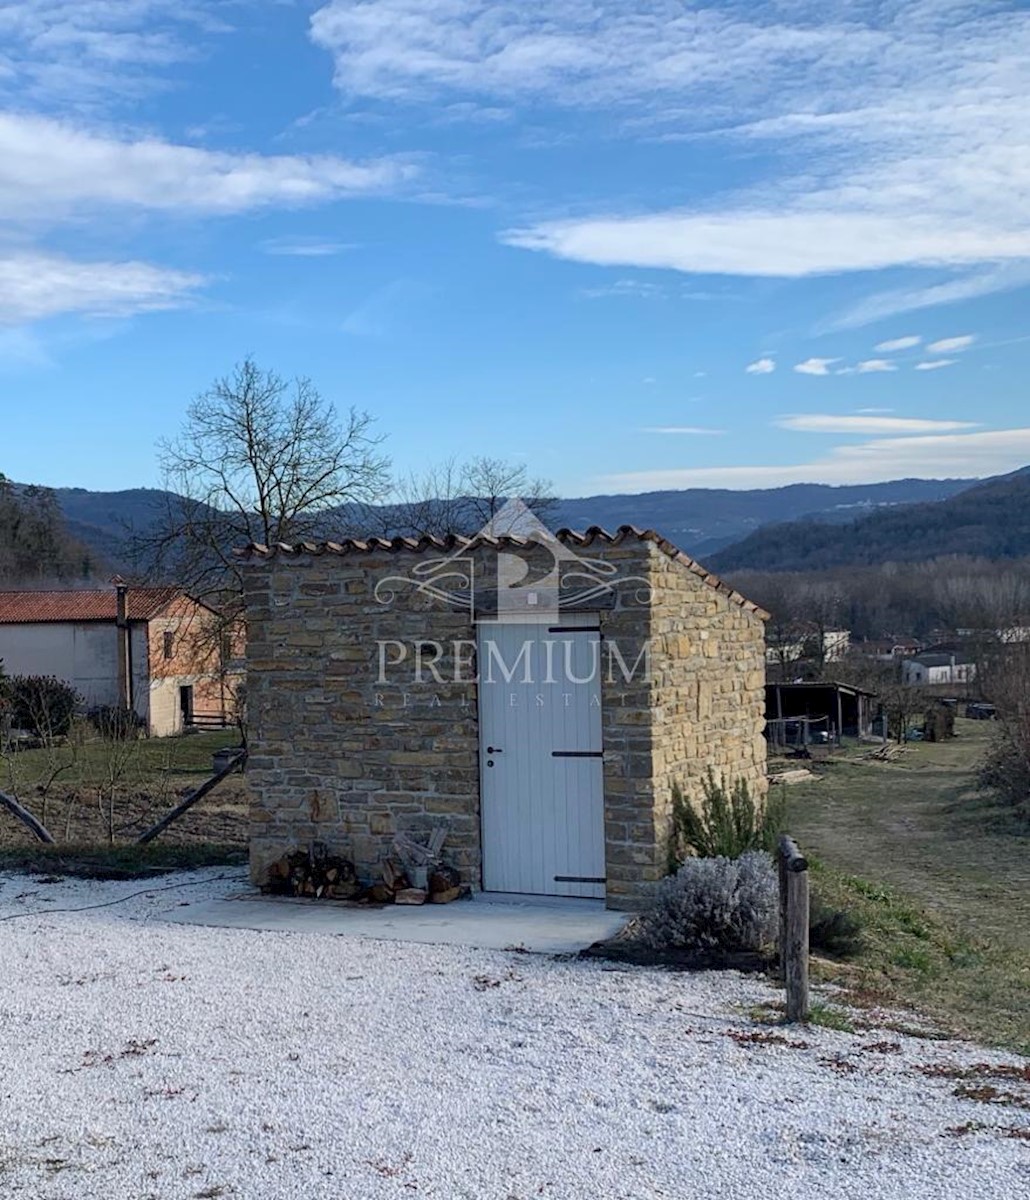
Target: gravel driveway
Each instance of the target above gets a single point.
(145, 1059)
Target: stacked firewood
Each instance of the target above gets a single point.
(314, 873)
(412, 874)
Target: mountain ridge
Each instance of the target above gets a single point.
(990, 519)
(701, 521)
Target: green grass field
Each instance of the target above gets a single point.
(149, 759)
(97, 799)
(940, 876)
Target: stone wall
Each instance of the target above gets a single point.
(708, 661)
(339, 756)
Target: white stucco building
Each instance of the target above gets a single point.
(148, 649)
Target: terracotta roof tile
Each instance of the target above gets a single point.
(451, 542)
(82, 605)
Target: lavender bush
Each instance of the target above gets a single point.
(714, 905)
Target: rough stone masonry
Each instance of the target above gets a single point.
(343, 753)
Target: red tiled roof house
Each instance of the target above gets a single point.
(153, 649)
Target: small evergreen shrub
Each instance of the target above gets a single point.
(728, 822)
(115, 723)
(714, 905)
(833, 931)
(41, 704)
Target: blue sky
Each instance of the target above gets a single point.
(637, 245)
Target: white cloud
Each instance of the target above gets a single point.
(761, 366)
(952, 344)
(828, 423)
(894, 344)
(815, 366)
(628, 288)
(908, 120)
(935, 364)
(305, 247)
(967, 285)
(872, 366)
(34, 286)
(957, 455)
(779, 244)
(689, 429)
(49, 170)
(88, 52)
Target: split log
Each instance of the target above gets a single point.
(444, 897)
(444, 879)
(410, 896)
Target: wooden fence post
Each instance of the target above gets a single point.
(794, 917)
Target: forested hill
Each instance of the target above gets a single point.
(990, 520)
(35, 545)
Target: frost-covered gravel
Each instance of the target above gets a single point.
(145, 1059)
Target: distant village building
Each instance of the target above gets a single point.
(888, 650)
(927, 669)
(156, 651)
(1009, 636)
(835, 645)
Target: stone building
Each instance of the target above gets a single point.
(536, 694)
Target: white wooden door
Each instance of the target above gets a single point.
(540, 757)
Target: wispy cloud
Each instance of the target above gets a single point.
(935, 364)
(85, 53)
(908, 120)
(829, 423)
(386, 309)
(50, 170)
(761, 366)
(895, 344)
(815, 366)
(966, 285)
(688, 429)
(642, 289)
(34, 286)
(874, 366)
(305, 247)
(952, 344)
(946, 455)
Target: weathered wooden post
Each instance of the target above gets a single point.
(794, 913)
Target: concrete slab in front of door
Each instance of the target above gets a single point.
(539, 925)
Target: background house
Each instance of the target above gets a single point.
(536, 695)
(157, 651)
(928, 669)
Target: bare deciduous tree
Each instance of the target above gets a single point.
(462, 497)
(259, 459)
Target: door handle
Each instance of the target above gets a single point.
(494, 750)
